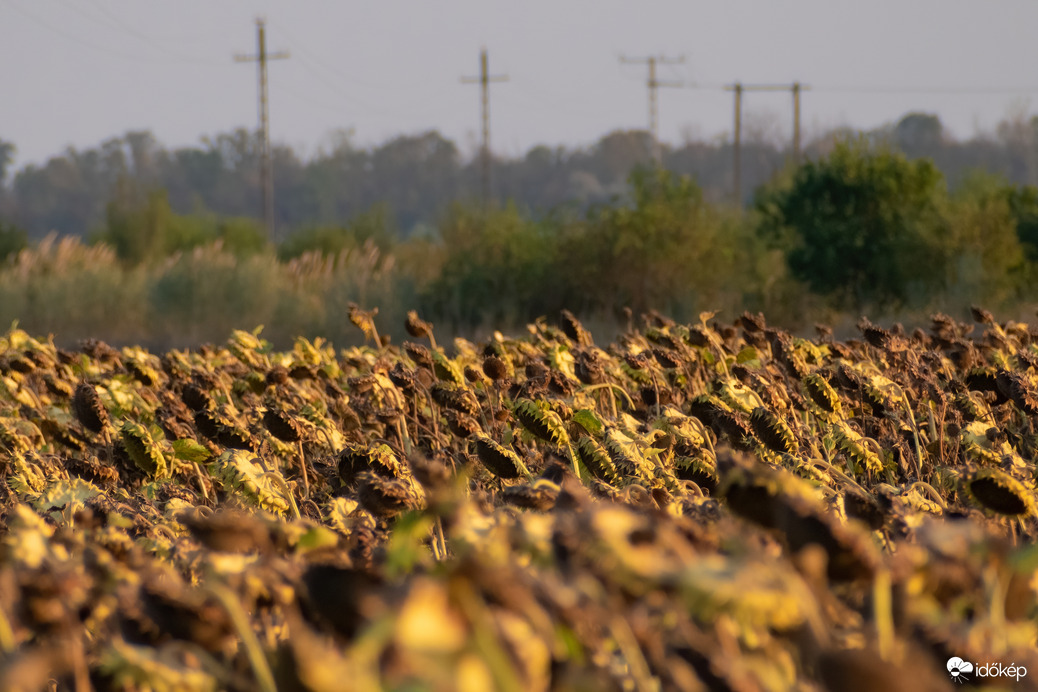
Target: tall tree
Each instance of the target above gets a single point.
(862, 226)
(7, 151)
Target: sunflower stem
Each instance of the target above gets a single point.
(257, 659)
(883, 614)
(283, 487)
(302, 470)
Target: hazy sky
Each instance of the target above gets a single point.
(79, 71)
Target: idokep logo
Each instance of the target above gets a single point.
(961, 671)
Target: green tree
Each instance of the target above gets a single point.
(373, 225)
(1023, 205)
(862, 226)
(665, 248)
(496, 267)
(241, 236)
(142, 227)
(136, 228)
(7, 151)
(987, 260)
(918, 133)
(12, 240)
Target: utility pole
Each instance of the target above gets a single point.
(739, 88)
(484, 79)
(737, 145)
(654, 84)
(796, 122)
(266, 165)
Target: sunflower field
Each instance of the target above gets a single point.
(718, 505)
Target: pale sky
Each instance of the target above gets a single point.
(77, 72)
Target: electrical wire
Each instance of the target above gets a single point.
(876, 89)
(313, 66)
(61, 32)
(289, 87)
(118, 23)
(77, 38)
(319, 63)
(967, 90)
(303, 58)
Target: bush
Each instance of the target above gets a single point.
(1023, 206)
(148, 230)
(241, 237)
(987, 262)
(12, 240)
(667, 250)
(496, 267)
(863, 226)
(373, 225)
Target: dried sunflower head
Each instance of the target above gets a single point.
(463, 426)
(385, 497)
(455, 396)
(495, 368)
(416, 327)
(538, 417)
(88, 408)
(143, 450)
(822, 393)
(596, 459)
(573, 329)
(539, 494)
(354, 459)
(282, 426)
(500, 461)
(1001, 493)
(773, 431)
(364, 320)
(447, 370)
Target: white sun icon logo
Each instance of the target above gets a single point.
(957, 669)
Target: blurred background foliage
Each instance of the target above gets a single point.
(858, 228)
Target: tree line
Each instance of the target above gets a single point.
(414, 178)
(862, 228)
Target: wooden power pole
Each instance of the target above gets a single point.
(654, 84)
(796, 122)
(739, 88)
(737, 145)
(484, 79)
(266, 165)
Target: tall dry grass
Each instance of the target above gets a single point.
(76, 291)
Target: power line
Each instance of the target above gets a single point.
(319, 63)
(967, 91)
(289, 87)
(337, 88)
(65, 34)
(81, 11)
(653, 83)
(77, 37)
(876, 89)
(266, 172)
(334, 79)
(117, 22)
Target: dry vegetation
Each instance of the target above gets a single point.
(704, 506)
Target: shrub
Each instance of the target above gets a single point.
(373, 225)
(861, 226)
